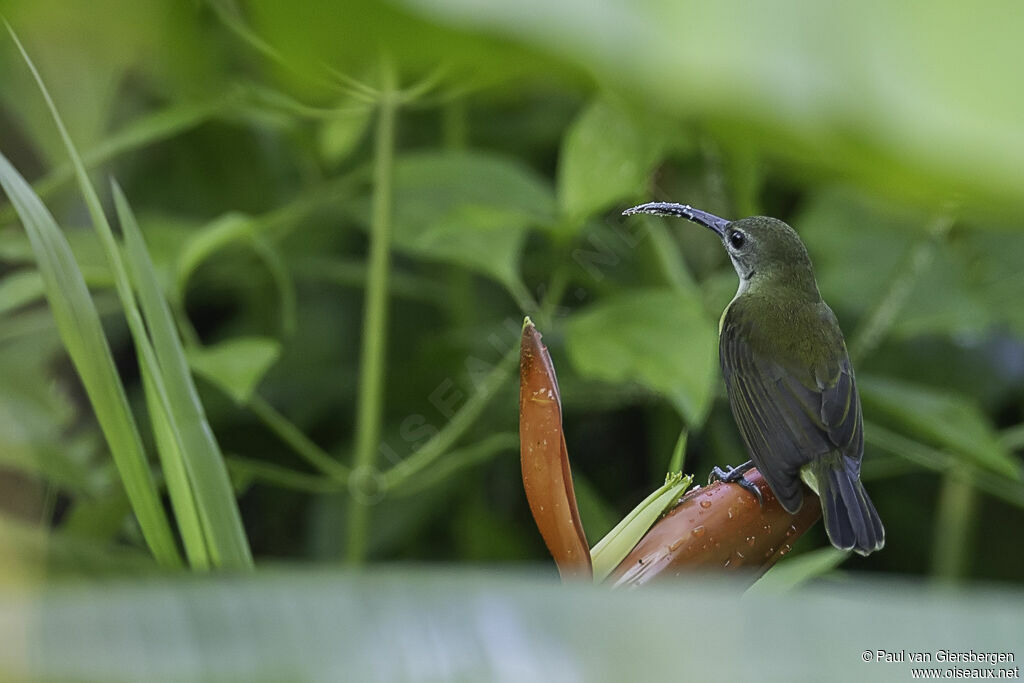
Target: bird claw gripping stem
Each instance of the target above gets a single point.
(734, 475)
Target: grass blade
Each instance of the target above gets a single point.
(199, 452)
(82, 334)
(168, 370)
(169, 447)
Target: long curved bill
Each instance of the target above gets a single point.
(681, 211)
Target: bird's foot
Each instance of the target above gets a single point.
(734, 475)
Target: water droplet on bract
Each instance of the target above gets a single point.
(709, 493)
(751, 540)
(698, 531)
(767, 528)
(740, 555)
(792, 530)
(730, 512)
(728, 561)
(675, 546)
(705, 504)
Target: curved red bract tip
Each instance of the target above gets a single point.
(546, 474)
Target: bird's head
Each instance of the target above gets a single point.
(762, 250)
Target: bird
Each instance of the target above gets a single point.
(789, 378)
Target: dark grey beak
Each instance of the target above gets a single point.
(681, 211)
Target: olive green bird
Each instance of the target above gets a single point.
(789, 378)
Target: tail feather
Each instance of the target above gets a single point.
(851, 520)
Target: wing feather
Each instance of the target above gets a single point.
(789, 418)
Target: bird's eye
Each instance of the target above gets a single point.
(737, 239)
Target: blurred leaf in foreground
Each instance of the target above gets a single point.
(457, 625)
(874, 92)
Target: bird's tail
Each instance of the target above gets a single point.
(850, 517)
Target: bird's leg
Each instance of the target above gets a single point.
(734, 475)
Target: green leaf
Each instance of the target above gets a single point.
(31, 552)
(659, 338)
(236, 366)
(30, 436)
(180, 416)
(610, 550)
(193, 438)
(38, 418)
(939, 418)
(169, 446)
(235, 228)
(219, 233)
(19, 289)
(468, 208)
(607, 156)
(85, 247)
(79, 326)
(990, 263)
(786, 576)
(843, 231)
(340, 135)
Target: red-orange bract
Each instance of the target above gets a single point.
(720, 527)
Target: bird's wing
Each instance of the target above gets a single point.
(788, 418)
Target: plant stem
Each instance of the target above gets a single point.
(443, 441)
(675, 464)
(666, 253)
(457, 459)
(879, 321)
(371, 376)
(953, 526)
(297, 440)
(521, 295)
(282, 477)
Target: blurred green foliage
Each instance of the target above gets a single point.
(246, 137)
